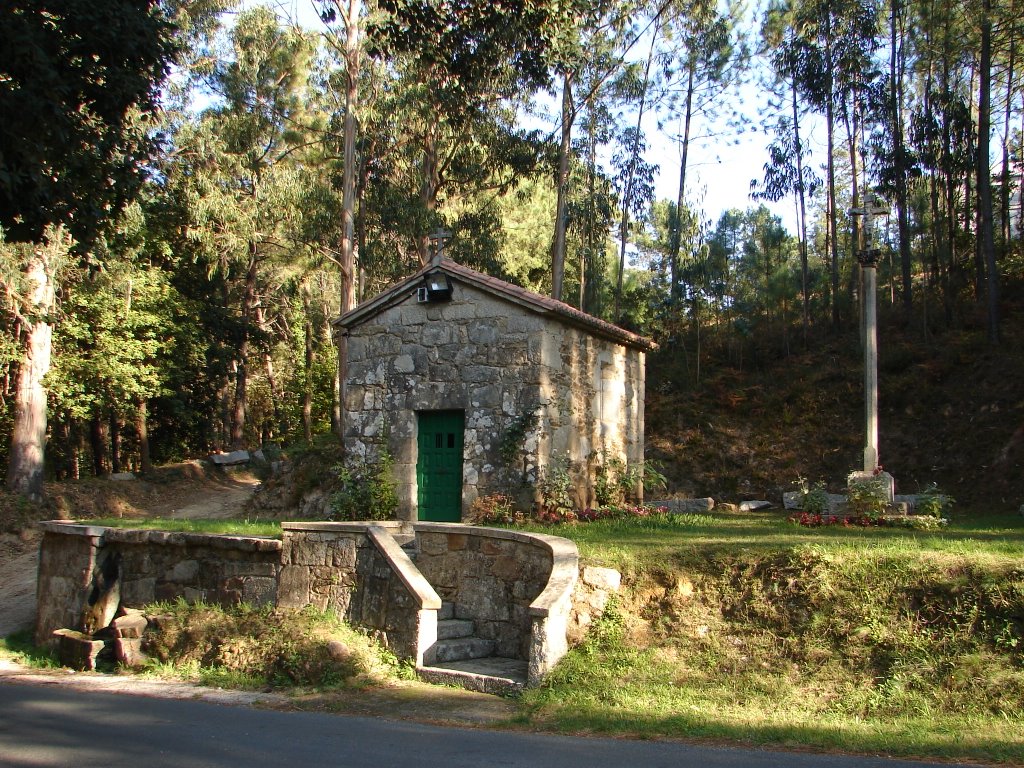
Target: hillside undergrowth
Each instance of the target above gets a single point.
(905, 644)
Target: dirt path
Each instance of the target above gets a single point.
(199, 497)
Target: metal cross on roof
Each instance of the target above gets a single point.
(439, 238)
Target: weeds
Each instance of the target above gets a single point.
(251, 647)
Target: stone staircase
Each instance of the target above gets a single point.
(463, 659)
(455, 638)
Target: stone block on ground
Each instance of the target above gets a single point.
(78, 650)
(128, 652)
(131, 625)
(602, 578)
(755, 506)
(793, 500)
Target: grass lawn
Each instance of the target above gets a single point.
(748, 628)
(271, 528)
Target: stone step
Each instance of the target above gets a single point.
(462, 648)
(446, 612)
(499, 676)
(449, 629)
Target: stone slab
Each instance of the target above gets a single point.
(230, 459)
(685, 506)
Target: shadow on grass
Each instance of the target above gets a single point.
(989, 741)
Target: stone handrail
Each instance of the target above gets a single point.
(402, 564)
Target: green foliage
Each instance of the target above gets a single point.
(933, 502)
(745, 629)
(557, 497)
(246, 527)
(867, 498)
(20, 648)
(78, 77)
(615, 482)
(251, 647)
(512, 439)
(367, 489)
(813, 499)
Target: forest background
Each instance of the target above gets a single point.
(191, 190)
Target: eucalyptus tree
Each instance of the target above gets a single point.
(984, 172)
(239, 169)
(637, 175)
(463, 67)
(941, 133)
(78, 81)
(786, 172)
(830, 58)
(708, 55)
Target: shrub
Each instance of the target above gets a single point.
(495, 509)
(933, 502)
(867, 498)
(367, 489)
(556, 496)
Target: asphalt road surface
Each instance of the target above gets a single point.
(57, 726)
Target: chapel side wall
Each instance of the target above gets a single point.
(477, 354)
(594, 390)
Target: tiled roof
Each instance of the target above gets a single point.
(544, 305)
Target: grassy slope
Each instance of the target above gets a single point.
(754, 630)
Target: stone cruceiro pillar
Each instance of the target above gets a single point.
(868, 259)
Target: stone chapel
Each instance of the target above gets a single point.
(475, 386)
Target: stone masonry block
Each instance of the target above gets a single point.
(306, 551)
(293, 587)
(343, 553)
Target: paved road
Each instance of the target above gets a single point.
(56, 726)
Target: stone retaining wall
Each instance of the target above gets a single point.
(518, 588)
(150, 566)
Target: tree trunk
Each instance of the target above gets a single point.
(28, 441)
(831, 173)
(986, 236)
(628, 187)
(142, 432)
(558, 243)
(429, 187)
(896, 116)
(240, 411)
(802, 223)
(115, 442)
(98, 438)
(676, 239)
(1004, 208)
(307, 373)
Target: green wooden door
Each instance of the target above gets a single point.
(439, 466)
